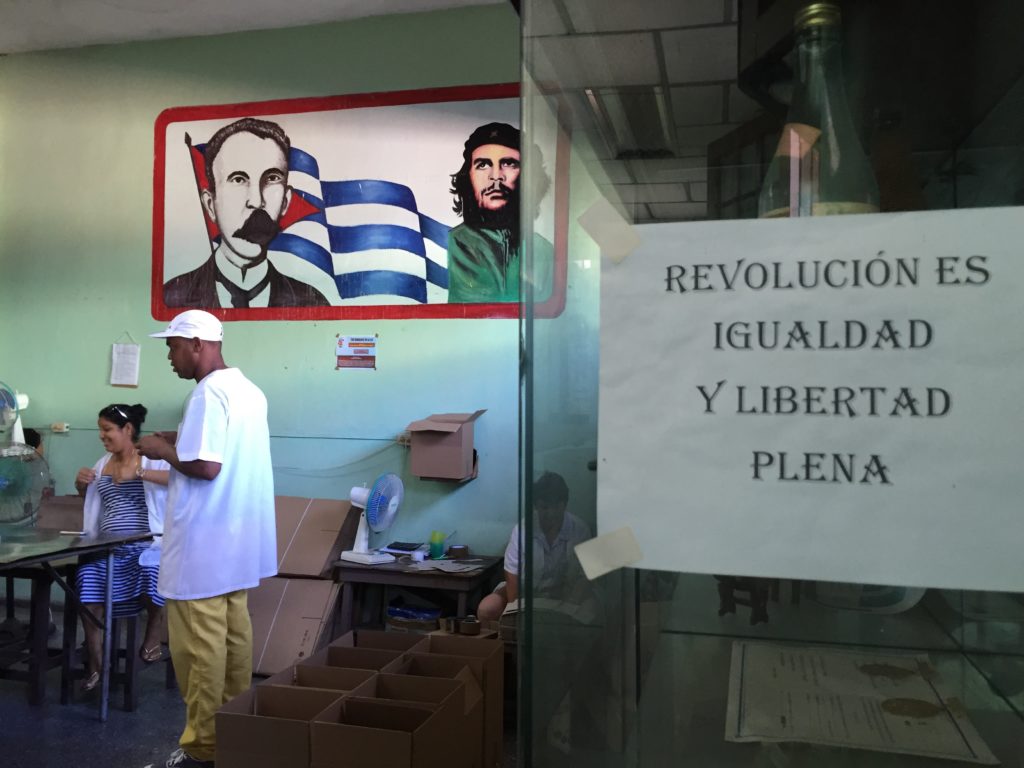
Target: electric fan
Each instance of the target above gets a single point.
(380, 507)
(24, 477)
(10, 426)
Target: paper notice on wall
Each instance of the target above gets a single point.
(834, 398)
(124, 365)
(356, 352)
(847, 698)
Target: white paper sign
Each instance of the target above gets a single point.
(124, 365)
(837, 398)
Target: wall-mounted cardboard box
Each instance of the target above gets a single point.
(291, 619)
(269, 727)
(357, 732)
(311, 533)
(441, 446)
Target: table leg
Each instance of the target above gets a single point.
(108, 610)
(39, 627)
(462, 604)
(346, 607)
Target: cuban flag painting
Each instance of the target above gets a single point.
(324, 208)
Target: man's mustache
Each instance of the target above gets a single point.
(498, 188)
(259, 228)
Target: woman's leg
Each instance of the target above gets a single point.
(93, 637)
(155, 616)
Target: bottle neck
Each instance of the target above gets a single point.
(821, 62)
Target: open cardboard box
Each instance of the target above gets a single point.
(269, 727)
(359, 732)
(441, 446)
(486, 660)
(329, 678)
(376, 659)
(374, 638)
(291, 619)
(311, 533)
(471, 734)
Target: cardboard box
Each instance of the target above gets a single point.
(486, 660)
(61, 513)
(311, 533)
(471, 733)
(269, 727)
(372, 638)
(356, 733)
(329, 678)
(442, 446)
(291, 619)
(376, 659)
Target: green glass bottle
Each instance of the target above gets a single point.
(819, 167)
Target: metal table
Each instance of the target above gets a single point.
(31, 553)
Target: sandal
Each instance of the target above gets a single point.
(90, 682)
(150, 655)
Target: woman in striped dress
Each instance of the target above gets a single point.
(124, 493)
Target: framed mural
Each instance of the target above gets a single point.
(371, 206)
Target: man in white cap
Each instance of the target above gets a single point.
(219, 535)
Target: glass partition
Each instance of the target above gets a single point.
(840, 627)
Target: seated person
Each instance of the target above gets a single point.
(556, 570)
(124, 493)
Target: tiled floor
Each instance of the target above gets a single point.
(56, 736)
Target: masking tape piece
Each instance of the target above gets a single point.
(615, 236)
(608, 552)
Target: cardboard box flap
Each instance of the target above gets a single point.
(445, 422)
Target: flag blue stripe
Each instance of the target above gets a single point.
(363, 191)
(434, 231)
(367, 237)
(315, 254)
(304, 162)
(381, 282)
(437, 274)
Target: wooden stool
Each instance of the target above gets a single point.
(124, 661)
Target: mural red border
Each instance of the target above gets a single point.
(560, 174)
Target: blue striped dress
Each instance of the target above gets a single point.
(124, 511)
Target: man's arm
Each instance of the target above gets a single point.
(511, 586)
(157, 447)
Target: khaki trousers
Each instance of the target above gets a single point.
(211, 648)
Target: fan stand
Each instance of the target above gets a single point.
(362, 552)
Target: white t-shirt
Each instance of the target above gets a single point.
(219, 535)
(553, 562)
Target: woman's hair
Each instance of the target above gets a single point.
(121, 414)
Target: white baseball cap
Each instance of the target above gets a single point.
(193, 324)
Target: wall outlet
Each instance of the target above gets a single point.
(60, 427)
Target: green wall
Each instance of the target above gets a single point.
(76, 164)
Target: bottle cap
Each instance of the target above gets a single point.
(817, 14)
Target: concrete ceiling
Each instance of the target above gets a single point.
(36, 25)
